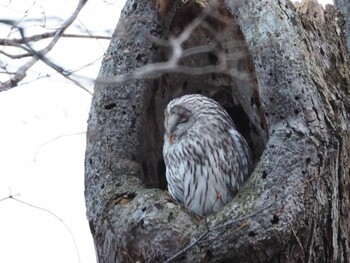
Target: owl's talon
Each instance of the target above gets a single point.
(168, 197)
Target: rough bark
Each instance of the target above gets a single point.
(344, 7)
(292, 87)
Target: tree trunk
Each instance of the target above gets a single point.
(283, 75)
(344, 7)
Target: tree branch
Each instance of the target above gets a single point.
(35, 38)
(41, 55)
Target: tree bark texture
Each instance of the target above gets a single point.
(344, 7)
(288, 94)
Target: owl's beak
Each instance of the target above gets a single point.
(170, 137)
(170, 127)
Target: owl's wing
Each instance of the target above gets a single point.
(242, 158)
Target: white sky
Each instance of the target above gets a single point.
(42, 142)
(49, 175)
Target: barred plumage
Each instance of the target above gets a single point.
(206, 159)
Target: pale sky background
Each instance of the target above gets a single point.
(42, 140)
(49, 174)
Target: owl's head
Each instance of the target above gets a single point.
(178, 120)
(196, 112)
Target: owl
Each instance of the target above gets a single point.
(206, 159)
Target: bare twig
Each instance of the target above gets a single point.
(172, 65)
(15, 56)
(239, 219)
(298, 240)
(22, 71)
(13, 197)
(17, 41)
(187, 247)
(155, 70)
(54, 139)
